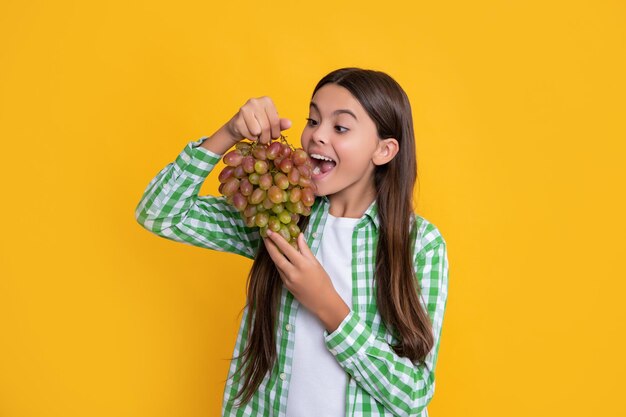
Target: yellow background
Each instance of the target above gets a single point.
(519, 112)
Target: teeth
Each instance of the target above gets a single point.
(322, 157)
(316, 170)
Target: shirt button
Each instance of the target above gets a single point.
(315, 234)
(357, 378)
(283, 376)
(288, 327)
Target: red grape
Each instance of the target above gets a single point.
(226, 173)
(248, 164)
(273, 150)
(294, 177)
(233, 158)
(286, 165)
(265, 181)
(257, 196)
(275, 195)
(299, 157)
(245, 187)
(230, 187)
(281, 181)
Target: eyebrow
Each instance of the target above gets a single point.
(338, 111)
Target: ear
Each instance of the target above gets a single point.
(385, 151)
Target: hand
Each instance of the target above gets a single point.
(307, 280)
(258, 120)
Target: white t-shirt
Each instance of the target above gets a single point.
(317, 385)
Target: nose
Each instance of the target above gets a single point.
(318, 136)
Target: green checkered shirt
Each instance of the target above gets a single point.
(380, 383)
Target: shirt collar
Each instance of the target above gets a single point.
(372, 213)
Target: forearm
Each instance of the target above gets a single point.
(333, 313)
(171, 207)
(220, 142)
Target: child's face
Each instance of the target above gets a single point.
(350, 142)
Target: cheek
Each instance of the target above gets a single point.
(343, 149)
(304, 139)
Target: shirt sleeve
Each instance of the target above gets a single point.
(403, 387)
(170, 207)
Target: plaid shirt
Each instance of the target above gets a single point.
(380, 383)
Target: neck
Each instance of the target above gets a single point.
(354, 208)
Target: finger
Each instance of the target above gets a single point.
(304, 248)
(244, 133)
(274, 120)
(252, 125)
(289, 251)
(285, 124)
(281, 262)
(264, 137)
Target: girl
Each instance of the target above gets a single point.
(349, 324)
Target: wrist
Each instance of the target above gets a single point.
(333, 313)
(231, 133)
(221, 141)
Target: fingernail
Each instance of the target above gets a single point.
(269, 232)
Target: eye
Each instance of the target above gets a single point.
(341, 127)
(311, 122)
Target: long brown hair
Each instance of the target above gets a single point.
(397, 290)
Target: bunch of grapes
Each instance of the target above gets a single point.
(270, 184)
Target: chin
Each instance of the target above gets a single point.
(323, 191)
(319, 193)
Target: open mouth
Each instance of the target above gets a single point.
(321, 165)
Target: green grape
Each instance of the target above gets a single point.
(262, 219)
(250, 221)
(274, 223)
(254, 178)
(294, 230)
(281, 181)
(284, 217)
(284, 232)
(261, 167)
(278, 208)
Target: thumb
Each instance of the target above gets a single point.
(285, 124)
(304, 248)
